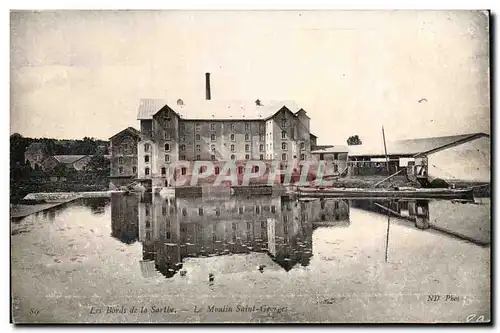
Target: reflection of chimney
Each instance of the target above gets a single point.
(207, 86)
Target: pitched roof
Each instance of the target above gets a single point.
(332, 149)
(131, 130)
(68, 159)
(412, 146)
(214, 109)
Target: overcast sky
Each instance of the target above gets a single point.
(420, 74)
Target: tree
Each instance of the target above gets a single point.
(354, 140)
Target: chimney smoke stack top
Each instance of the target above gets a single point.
(207, 87)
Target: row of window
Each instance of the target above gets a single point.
(134, 170)
(213, 126)
(182, 147)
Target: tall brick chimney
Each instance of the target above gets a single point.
(207, 86)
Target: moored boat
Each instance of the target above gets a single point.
(404, 193)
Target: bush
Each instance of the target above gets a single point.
(439, 183)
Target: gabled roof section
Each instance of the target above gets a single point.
(69, 159)
(130, 130)
(216, 110)
(148, 107)
(413, 146)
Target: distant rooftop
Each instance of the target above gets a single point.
(213, 109)
(68, 159)
(332, 149)
(412, 146)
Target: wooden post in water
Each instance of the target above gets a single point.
(385, 150)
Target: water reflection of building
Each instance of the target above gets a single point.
(413, 210)
(125, 218)
(173, 229)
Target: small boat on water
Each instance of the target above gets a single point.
(400, 193)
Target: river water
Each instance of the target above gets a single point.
(252, 259)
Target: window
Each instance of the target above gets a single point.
(263, 224)
(198, 157)
(247, 126)
(302, 157)
(217, 170)
(302, 146)
(183, 138)
(146, 210)
(283, 157)
(257, 209)
(292, 133)
(146, 147)
(182, 147)
(200, 211)
(285, 218)
(283, 145)
(283, 134)
(146, 158)
(182, 158)
(232, 127)
(247, 147)
(262, 137)
(247, 137)
(261, 147)
(163, 210)
(182, 126)
(249, 225)
(255, 168)
(198, 148)
(232, 147)
(273, 209)
(125, 146)
(335, 156)
(183, 171)
(168, 235)
(240, 210)
(212, 137)
(212, 157)
(247, 157)
(167, 147)
(240, 170)
(167, 135)
(261, 157)
(134, 170)
(212, 127)
(232, 137)
(120, 160)
(233, 157)
(335, 168)
(217, 212)
(198, 138)
(184, 211)
(120, 169)
(167, 158)
(197, 126)
(146, 171)
(171, 211)
(163, 171)
(283, 123)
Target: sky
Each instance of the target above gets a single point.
(417, 73)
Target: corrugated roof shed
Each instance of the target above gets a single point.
(214, 109)
(332, 149)
(412, 146)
